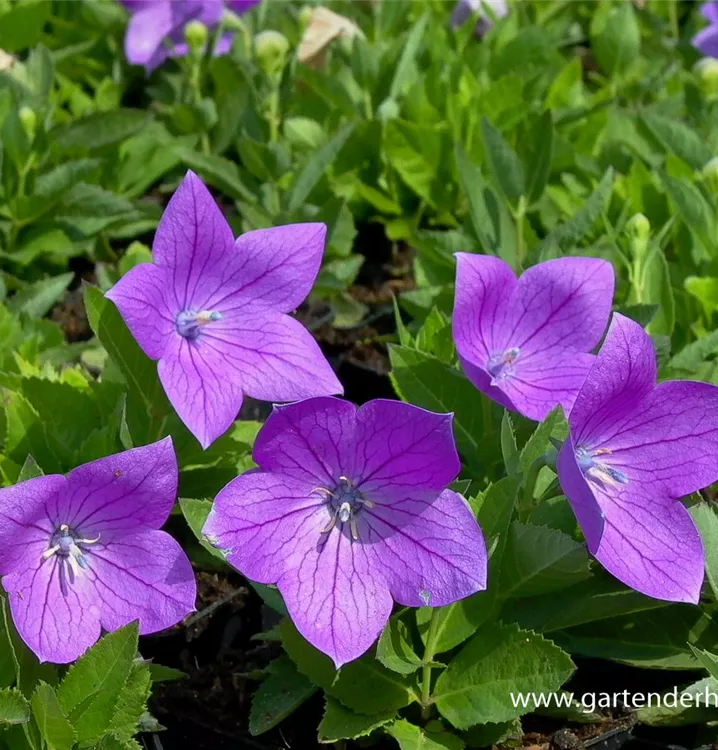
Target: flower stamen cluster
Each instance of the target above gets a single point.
(70, 548)
(345, 501)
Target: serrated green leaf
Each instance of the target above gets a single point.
(670, 710)
(509, 449)
(132, 703)
(14, 708)
(538, 444)
(340, 723)
(52, 722)
(497, 662)
(678, 138)
(30, 470)
(92, 687)
(35, 300)
(99, 130)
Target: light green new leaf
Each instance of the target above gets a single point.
(14, 708)
(498, 662)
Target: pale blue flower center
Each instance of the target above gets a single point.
(191, 322)
(344, 502)
(598, 470)
(501, 365)
(71, 549)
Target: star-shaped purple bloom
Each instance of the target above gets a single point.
(634, 449)
(213, 312)
(349, 509)
(525, 342)
(156, 28)
(83, 552)
(707, 39)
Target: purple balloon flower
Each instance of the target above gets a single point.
(156, 28)
(349, 509)
(465, 9)
(525, 342)
(707, 39)
(213, 312)
(83, 552)
(634, 448)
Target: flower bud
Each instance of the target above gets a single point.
(638, 227)
(271, 48)
(709, 174)
(388, 110)
(706, 70)
(28, 118)
(305, 16)
(195, 34)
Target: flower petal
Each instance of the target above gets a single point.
(140, 296)
(132, 490)
(310, 441)
(561, 305)
(242, 6)
(623, 373)
(57, 627)
(199, 387)
(400, 447)
(706, 41)
(144, 576)
(540, 382)
(336, 598)
(148, 27)
(272, 268)
(267, 523)
(710, 12)
(670, 438)
(484, 286)
(431, 550)
(193, 243)
(271, 355)
(23, 518)
(648, 541)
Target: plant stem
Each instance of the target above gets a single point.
(519, 216)
(429, 653)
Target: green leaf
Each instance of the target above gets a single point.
(497, 662)
(565, 236)
(678, 138)
(339, 723)
(657, 289)
(672, 710)
(538, 444)
(216, 170)
(195, 513)
(708, 661)
(132, 704)
(363, 685)
(692, 207)
(14, 708)
(37, 299)
(538, 157)
(415, 152)
(91, 689)
(278, 696)
(52, 722)
(705, 290)
(706, 520)
(615, 36)
(99, 130)
(404, 73)
(316, 167)
(21, 26)
(30, 470)
(411, 737)
(509, 450)
(394, 649)
(540, 560)
(504, 163)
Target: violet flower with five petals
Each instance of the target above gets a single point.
(212, 310)
(83, 552)
(349, 509)
(156, 28)
(635, 447)
(706, 40)
(525, 342)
